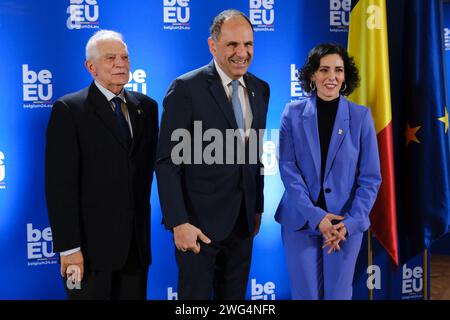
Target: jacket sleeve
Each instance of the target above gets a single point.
(292, 176)
(62, 170)
(176, 118)
(368, 180)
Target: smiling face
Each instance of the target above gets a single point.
(111, 65)
(233, 49)
(329, 76)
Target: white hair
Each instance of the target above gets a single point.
(91, 46)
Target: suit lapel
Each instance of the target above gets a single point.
(136, 117)
(103, 110)
(218, 92)
(340, 129)
(311, 130)
(252, 99)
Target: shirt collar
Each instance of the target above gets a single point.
(108, 94)
(226, 80)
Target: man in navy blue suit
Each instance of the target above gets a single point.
(214, 209)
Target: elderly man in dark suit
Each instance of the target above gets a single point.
(214, 207)
(100, 154)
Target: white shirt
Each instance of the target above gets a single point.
(243, 96)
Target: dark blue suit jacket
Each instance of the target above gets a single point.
(98, 188)
(208, 196)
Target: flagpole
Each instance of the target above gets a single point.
(369, 258)
(425, 274)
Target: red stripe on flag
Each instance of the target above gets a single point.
(383, 216)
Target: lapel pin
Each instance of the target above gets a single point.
(253, 94)
(139, 111)
(340, 131)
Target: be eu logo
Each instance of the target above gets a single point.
(297, 92)
(83, 14)
(412, 282)
(262, 15)
(264, 291)
(2, 171)
(37, 88)
(177, 14)
(339, 15)
(172, 294)
(136, 81)
(447, 39)
(39, 246)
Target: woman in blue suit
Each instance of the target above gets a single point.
(330, 168)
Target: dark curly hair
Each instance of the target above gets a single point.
(313, 63)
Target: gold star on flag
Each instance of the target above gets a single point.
(410, 134)
(444, 119)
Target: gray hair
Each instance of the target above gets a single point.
(216, 25)
(91, 46)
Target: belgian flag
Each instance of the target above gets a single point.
(368, 44)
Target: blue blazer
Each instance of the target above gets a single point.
(352, 171)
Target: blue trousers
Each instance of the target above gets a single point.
(314, 274)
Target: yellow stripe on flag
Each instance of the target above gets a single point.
(368, 44)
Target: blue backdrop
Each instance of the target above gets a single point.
(42, 59)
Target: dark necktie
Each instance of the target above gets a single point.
(121, 121)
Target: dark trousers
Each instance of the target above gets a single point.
(220, 271)
(128, 283)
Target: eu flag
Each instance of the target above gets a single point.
(426, 189)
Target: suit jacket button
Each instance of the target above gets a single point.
(327, 190)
